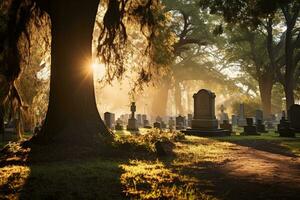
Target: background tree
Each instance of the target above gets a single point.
(253, 13)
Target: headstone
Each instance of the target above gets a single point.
(259, 115)
(119, 127)
(204, 122)
(132, 122)
(241, 118)
(171, 123)
(226, 126)
(109, 120)
(250, 129)
(261, 128)
(139, 120)
(294, 117)
(284, 129)
(234, 120)
(180, 121)
(163, 125)
(157, 125)
(223, 115)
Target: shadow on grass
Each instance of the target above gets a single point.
(61, 172)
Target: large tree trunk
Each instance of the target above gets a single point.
(290, 68)
(289, 93)
(265, 88)
(72, 115)
(1, 120)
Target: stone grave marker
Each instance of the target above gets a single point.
(226, 126)
(139, 120)
(180, 121)
(259, 115)
(241, 119)
(157, 125)
(109, 120)
(204, 122)
(234, 120)
(132, 122)
(223, 116)
(250, 129)
(283, 128)
(171, 123)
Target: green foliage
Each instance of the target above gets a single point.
(148, 139)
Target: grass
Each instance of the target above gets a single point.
(186, 174)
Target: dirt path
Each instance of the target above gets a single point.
(239, 171)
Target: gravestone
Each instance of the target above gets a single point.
(234, 120)
(226, 126)
(284, 129)
(119, 127)
(171, 123)
(109, 120)
(260, 127)
(294, 117)
(241, 119)
(132, 122)
(204, 122)
(223, 116)
(180, 121)
(139, 120)
(259, 121)
(271, 121)
(259, 115)
(163, 125)
(157, 125)
(250, 129)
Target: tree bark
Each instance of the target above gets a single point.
(1, 120)
(290, 70)
(265, 88)
(289, 93)
(72, 115)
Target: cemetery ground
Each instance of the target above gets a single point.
(236, 167)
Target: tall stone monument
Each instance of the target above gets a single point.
(242, 120)
(204, 122)
(132, 122)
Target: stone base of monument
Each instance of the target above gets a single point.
(207, 133)
(206, 128)
(132, 125)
